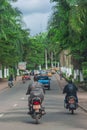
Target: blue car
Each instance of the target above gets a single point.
(45, 80)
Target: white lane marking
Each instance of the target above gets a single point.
(15, 105)
(1, 114)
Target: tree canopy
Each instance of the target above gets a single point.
(68, 29)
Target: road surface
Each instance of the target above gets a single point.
(13, 110)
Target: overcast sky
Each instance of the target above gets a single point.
(35, 14)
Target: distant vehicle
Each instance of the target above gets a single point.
(53, 71)
(36, 72)
(49, 74)
(43, 73)
(45, 80)
(26, 76)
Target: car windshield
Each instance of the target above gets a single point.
(43, 78)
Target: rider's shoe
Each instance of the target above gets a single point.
(43, 112)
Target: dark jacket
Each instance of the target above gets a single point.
(10, 78)
(67, 90)
(35, 89)
(34, 86)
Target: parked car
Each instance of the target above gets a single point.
(45, 80)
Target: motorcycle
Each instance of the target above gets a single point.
(36, 109)
(10, 84)
(72, 104)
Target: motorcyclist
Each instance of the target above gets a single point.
(33, 89)
(71, 90)
(10, 79)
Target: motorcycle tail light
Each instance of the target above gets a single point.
(36, 103)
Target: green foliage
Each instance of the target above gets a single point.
(35, 52)
(68, 28)
(12, 36)
(15, 42)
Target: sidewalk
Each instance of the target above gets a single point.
(4, 84)
(82, 95)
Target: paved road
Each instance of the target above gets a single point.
(82, 94)
(13, 111)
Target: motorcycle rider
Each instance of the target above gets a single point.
(33, 89)
(10, 79)
(71, 90)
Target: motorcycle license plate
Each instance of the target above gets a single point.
(36, 107)
(72, 106)
(71, 101)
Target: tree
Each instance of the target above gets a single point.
(34, 51)
(69, 24)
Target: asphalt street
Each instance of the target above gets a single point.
(14, 108)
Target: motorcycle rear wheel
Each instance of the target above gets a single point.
(37, 120)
